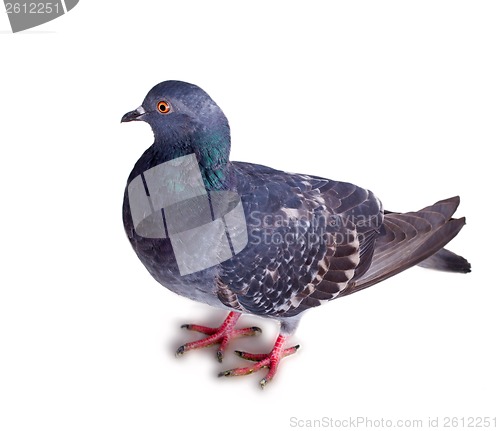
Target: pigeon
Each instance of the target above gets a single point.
(306, 240)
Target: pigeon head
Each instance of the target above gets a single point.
(185, 120)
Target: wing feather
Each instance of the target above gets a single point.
(409, 239)
(304, 245)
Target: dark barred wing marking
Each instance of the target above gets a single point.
(304, 242)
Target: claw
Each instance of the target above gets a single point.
(263, 383)
(180, 351)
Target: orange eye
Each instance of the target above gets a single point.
(163, 107)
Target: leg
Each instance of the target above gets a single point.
(221, 335)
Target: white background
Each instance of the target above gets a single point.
(400, 97)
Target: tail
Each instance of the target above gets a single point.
(415, 238)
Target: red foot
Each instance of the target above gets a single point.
(270, 360)
(221, 335)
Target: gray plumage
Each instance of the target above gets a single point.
(311, 240)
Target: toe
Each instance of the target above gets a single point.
(251, 356)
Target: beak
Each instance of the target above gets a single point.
(134, 115)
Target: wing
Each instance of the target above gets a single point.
(308, 237)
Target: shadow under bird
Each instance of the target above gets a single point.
(308, 239)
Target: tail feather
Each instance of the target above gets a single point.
(414, 238)
(446, 260)
(446, 207)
